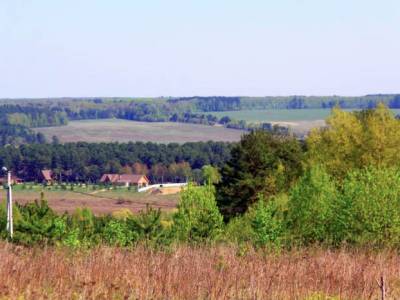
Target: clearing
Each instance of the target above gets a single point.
(99, 201)
(116, 130)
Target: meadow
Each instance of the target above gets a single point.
(98, 199)
(188, 272)
(117, 130)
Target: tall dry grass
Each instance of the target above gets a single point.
(194, 273)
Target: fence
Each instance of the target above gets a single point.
(161, 185)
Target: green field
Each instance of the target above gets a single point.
(279, 115)
(116, 130)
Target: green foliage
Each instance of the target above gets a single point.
(354, 140)
(117, 233)
(372, 207)
(312, 208)
(147, 225)
(267, 224)
(211, 175)
(261, 164)
(239, 230)
(87, 162)
(37, 223)
(348, 195)
(198, 218)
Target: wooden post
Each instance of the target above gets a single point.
(10, 226)
(382, 287)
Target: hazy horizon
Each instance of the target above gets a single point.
(79, 49)
(190, 96)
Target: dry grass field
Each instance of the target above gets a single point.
(115, 130)
(194, 273)
(100, 202)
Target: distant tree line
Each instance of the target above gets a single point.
(87, 162)
(29, 113)
(207, 104)
(32, 115)
(16, 121)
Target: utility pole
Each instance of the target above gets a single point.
(10, 227)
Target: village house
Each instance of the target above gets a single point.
(125, 180)
(46, 176)
(14, 180)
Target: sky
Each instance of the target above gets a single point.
(131, 48)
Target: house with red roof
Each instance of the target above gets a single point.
(46, 176)
(14, 180)
(125, 179)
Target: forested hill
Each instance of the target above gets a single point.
(206, 104)
(54, 112)
(17, 116)
(211, 103)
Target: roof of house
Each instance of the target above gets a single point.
(123, 178)
(47, 174)
(13, 179)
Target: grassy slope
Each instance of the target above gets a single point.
(194, 273)
(111, 130)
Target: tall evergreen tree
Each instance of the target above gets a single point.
(261, 164)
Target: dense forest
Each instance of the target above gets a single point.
(87, 162)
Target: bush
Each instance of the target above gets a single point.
(116, 233)
(36, 223)
(122, 214)
(148, 226)
(267, 224)
(239, 230)
(198, 218)
(371, 211)
(312, 208)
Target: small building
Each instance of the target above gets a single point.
(46, 176)
(125, 179)
(14, 180)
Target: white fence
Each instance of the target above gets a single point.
(161, 185)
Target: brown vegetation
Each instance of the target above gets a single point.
(101, 202)
(194, 273)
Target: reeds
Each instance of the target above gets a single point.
(195, 273)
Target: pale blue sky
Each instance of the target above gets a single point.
(54, 48)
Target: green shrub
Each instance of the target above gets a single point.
(371, 211)
(198, 218)
(148, 227)
(116, 233)
(266, 223)
(312, 208)
(239, 230)
(71, 238)
(37, 223)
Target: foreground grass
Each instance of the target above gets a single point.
(194, 273)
